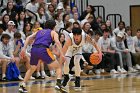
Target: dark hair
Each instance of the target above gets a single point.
(128, 28)
(98, 33)
(77, 31)
(106, 30)
(122, 23)
(90, 32)
(68, 24)
(76, 24)
(17, 35)
(50, 24)
(6, 36)
(138, 30)
(64, 17)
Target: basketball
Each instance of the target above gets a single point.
(95, 58)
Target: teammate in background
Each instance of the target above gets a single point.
(40, 51)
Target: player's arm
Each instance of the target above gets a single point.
(57, 42)
(23, 51)
(66, 45)
(92, 41)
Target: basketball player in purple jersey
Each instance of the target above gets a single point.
(40, 51)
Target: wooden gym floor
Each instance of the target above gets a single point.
(121, 83)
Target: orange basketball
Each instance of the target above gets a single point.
(95, 58)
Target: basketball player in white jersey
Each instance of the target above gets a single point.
(73, 47)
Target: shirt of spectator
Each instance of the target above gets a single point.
(59, 22)
(121, 27)
(137, 40)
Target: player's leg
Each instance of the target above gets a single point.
(77, 70)
(58, 69)
(33, 61)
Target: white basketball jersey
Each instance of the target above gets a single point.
(74, 48)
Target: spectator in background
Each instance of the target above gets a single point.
(75, 10)
(27, 29)
(76, 25)
(66, 18)
(17, 45)
(86, 27)
(117, 44)
(9, 10)
(5, 21)
(10, 30)
(75, 18)
(68, 11)
(59, 10)
(137, 47)
(109, 26)
(21, 21)
(31, 9)
(99, 20)
(41, 16)
(1, 30)
(89, 10)
(64, 3)
(51, 11)
(36, 27)
(67, 30)
(6, 54)
(59, 22)
(120, 28)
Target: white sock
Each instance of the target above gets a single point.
(43, 73)
(23, 84)
(38, 74)
(3, 75)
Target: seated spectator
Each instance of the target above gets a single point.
(89, 10)
(9, 10)
(5, 20)
(1, 30)
(59, 22)
(109, 56)
(41, 18)
(75, 18)
(17, 45)
(120, 28)
(135, 47)
(117, 44)
(51, 11)
(10, 30)
(6, 54)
